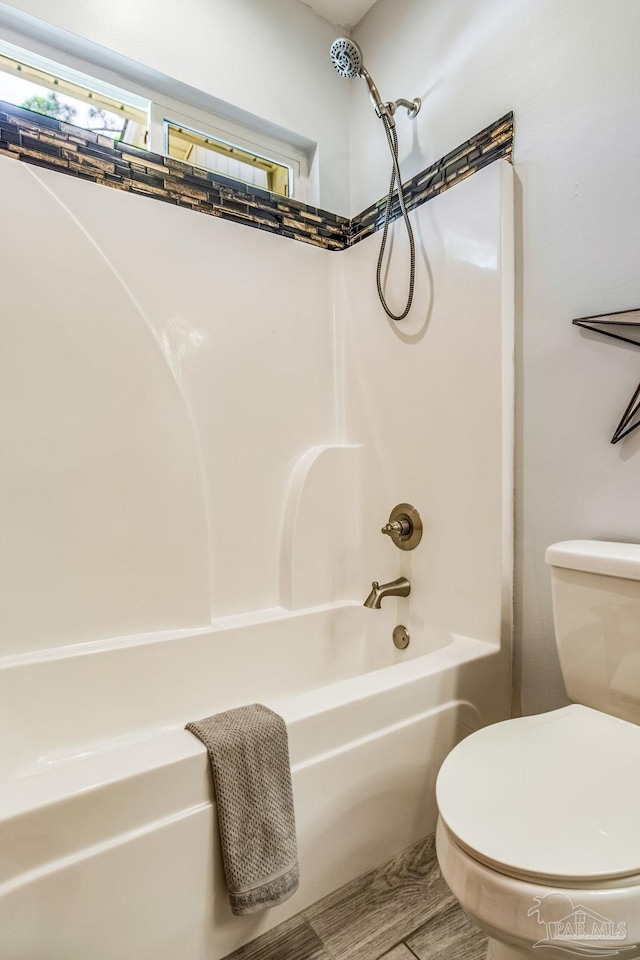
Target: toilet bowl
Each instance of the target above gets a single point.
(539, 829)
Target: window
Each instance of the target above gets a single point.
(227, 159)
(157, 122)
(49, 88)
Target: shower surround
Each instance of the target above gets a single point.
(204, 430)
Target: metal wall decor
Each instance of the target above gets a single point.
(619, 326)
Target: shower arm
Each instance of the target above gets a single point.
(386, 109)
(412, 106)
(389, 108)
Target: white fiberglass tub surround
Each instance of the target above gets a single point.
(199, 467)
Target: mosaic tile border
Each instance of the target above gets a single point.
(495, 142)
(55, 145)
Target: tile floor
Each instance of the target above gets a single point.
(401, 911)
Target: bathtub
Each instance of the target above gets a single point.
(108, 838)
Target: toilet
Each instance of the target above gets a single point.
(538, 833)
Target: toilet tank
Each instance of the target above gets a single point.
(596, 610)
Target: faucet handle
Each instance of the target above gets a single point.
(397, 528)
(404, 526)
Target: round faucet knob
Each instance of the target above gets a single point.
(397, 528)
(404, 526)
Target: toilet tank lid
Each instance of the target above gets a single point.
(597, 556)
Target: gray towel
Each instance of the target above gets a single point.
(249, 753)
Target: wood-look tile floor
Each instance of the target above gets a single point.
(401, 911)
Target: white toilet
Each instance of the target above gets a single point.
(539, 829)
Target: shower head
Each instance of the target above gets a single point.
(346, 56)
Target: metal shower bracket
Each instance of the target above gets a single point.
(412, 107)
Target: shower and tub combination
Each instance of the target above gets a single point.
(146, 586)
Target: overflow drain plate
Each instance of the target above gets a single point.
(400, 637)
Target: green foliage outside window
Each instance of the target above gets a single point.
(50, 106)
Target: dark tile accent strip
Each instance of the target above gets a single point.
(55, 145)
(495, 142)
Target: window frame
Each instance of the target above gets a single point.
(76, 85)
(164, 112)
(262, 162)
(163, 109)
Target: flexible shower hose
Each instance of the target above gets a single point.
(392, 138)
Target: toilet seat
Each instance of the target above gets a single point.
(554, 798)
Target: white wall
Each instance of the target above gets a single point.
(570, 71)
(270, 59)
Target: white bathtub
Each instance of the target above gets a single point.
(108, 841)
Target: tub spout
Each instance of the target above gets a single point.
(397, 588)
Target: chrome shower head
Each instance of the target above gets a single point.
(346, 56)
